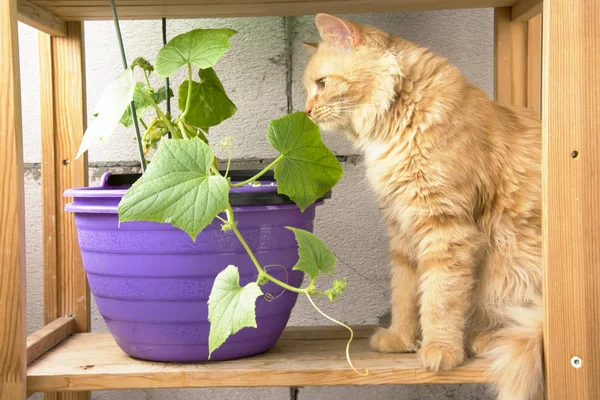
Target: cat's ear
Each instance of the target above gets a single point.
(336, 31)
(311, 46)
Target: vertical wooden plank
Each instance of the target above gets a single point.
(48, 172)
(571, 201)
(517, 69)
(62, 78)
(70, 120)
(534, 64)
(510, 65)
(12, 213)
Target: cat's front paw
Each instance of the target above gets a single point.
(441, 356)
(391, 341)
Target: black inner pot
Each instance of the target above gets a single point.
(235, 199)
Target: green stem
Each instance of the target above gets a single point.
(228, 161)
(261, 271)
(188, 99)
(162, 115)
(253, 258)
(349, 340)
(146, 74)
(182, 128)
(148, 129)
(261, 173)
(143, 123)
(216, 172)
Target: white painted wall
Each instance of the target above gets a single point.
(254, 72)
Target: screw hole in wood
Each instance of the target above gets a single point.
(574, 154)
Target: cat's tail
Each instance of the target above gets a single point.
(517, 356)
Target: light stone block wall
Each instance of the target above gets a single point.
(262, 74)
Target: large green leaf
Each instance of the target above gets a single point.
(199, 47)
(141, 102)
(115, 98)
(308, 168)
(177, 188)
(314, 257)
(230, 307)
(209, 104)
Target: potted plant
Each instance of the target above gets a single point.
(188, 262)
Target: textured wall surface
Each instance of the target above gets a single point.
(262, 74)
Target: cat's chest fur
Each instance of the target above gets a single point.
(400, 175)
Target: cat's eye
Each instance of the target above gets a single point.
(321, 83)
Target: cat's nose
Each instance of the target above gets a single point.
(308, 111)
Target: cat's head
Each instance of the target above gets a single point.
(350, 79)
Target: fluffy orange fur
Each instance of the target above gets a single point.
(458, 179)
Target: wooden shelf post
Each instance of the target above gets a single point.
(518, 60)
(534, 64)
(12, 213)
(63, 112)
(571, 201)
(510, 59)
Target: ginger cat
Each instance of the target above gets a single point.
(459, 180)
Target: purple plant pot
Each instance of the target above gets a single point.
(151, 282)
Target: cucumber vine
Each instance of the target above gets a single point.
(182, 186)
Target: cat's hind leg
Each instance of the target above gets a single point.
(484, 320)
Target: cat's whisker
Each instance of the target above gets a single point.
(346, 100)
(335, 118)
(355, 106)
(342, 102)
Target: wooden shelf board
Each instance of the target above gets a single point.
(72, 10)
(302, 357)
